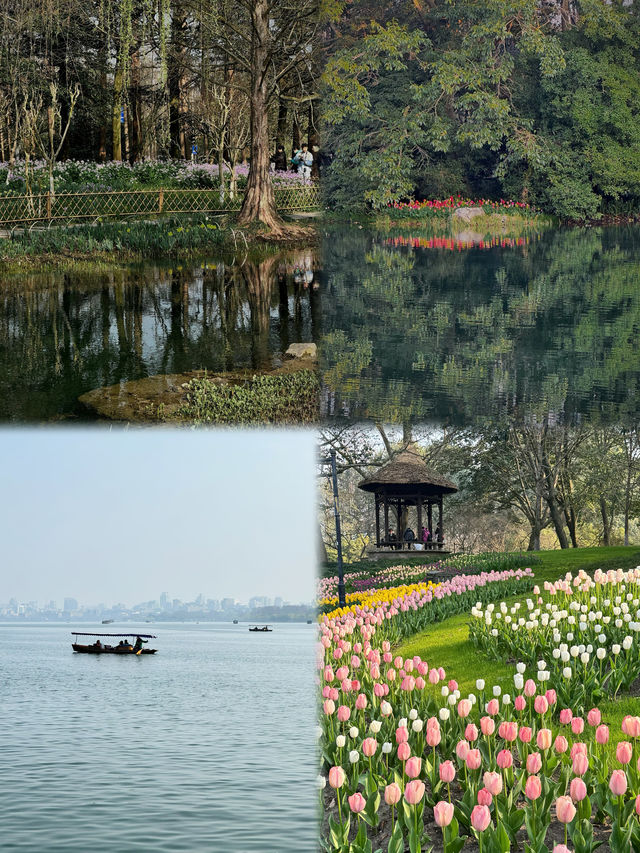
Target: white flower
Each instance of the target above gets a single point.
(354, 756)
(521, 668)
(417, 725)
(627, 643)
(567, 672)
(321, 781)
(480, 684)
(319, 732)
(375, 726)
(506, 699)
(542, 664)
(444, 714)
(518, 680)
(584, 657)
(555, 654)
(386, 748)
(472, 698)
(497, 690)
(413, 714)
(601, 653)
(615, 649)
(385, 709)
(444, 691)
(353, 732)
(451, 699)
(340, 741)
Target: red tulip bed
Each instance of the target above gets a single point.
(410, 764)
(438, 208)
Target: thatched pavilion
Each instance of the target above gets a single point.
(413, 494)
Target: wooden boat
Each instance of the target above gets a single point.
(261, 629)
(100, 648)
(107, 621)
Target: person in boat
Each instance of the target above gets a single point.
(138, 644)
(97, 644)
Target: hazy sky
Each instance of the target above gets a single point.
(120, 516)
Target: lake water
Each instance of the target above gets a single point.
(65, 333)
(206, 746)
(447, 331)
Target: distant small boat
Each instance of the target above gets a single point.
(235, 621)
(261, 629)
(309, 621)
(100, 648)
(107, 621)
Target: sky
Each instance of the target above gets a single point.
(110, 516)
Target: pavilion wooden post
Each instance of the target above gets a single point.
(419, 510)
(441, 536)
(377, 522)
(386, 517)
(430, 520)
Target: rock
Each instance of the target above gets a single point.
(302, 351)
(467, 213)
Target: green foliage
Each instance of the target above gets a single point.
(290, 398)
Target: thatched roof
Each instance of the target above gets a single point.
(407, 472)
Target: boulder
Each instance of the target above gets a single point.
(302, 351)
(467, 213)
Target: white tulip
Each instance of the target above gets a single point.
(354, 756)
(340, 741)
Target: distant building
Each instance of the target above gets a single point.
(70, 604)
(164, 600)
(278, 602)
(228, 603)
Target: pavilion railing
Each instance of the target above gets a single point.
(46, 208)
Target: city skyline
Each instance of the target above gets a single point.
(113, 517)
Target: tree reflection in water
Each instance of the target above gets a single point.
(420, 332)
(62, 334)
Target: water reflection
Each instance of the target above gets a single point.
(414, 330)
(62, 334)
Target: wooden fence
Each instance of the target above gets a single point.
(28, 210)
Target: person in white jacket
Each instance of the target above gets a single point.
(303, 159)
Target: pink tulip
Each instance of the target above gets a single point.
(413, 767)
(464, 708)
(530, 688)
(474, 759)
(565, 810)
(508, 731)
(404, 751)
(392, 794)
(602, 734)
(561, 744)
(480, 818)
(561, 848)
(551, 696)
(504, 759)
(369, 746)
(357, 803)
(525, 734)
(361, 702)
(578, 747)
(534, 762)
(544, 738)
(577, 789)
(462, 749)
(624, 752)
(533, 787)
(631, 726)
(594, 717)
(344, 713)
(328, 707)
(492, 782)
(577, 725)
(540, 705)
(447, 771)
(638, 805)
(566, 715)
(434, 678)
(433, 736)
(414, 792)
(493, 707)
(618, 783)
(580, 764)
(488, 726)
(520, 703)
(452, 685)
(402, 734)
(471, 732)
(337, 777)
(443, 813)
(485, 798)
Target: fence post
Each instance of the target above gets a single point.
(49, 205)
(160, 200)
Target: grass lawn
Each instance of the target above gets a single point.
(447, 644)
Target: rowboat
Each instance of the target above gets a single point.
(261, 629)
(129, 644)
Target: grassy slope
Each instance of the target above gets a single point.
(447, 644)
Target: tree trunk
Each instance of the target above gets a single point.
(259, 199)
(606, 538)
(281, 132)
(116, 128)
(534, 539)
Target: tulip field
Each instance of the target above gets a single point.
(409, 763)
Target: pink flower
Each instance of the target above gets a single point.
(433, 736)
(413, 767)
(357, 803)
(525, 734)
(493, 707)
(624, 752)
(580, 764)
(392, 794)
(443, 813)
(402, 734)
(530, 688)
(369, 746)
(544, 738)
(565, 810)
(534, 762)
(561, 744)
(361, 702)
(328, 707)
(520, 703)
(464, 708)
(638, 804)
(414, 792)
(480, 818)
(404, 751)
(602, 734)
(540, 705)
(533, 787)
(561, 848)
(474, 759)
(566, 715)
(551, 696)
(577, 789)
(487, 726)
(447, 771)
(471, 732)
(344, 713)
(337, 777)
(618, 783)
(504, 759)
(485, 797)
(594, 717)
(631, 726)
(462, 749)
(577, 725)
(508, 730)
(492, 782)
